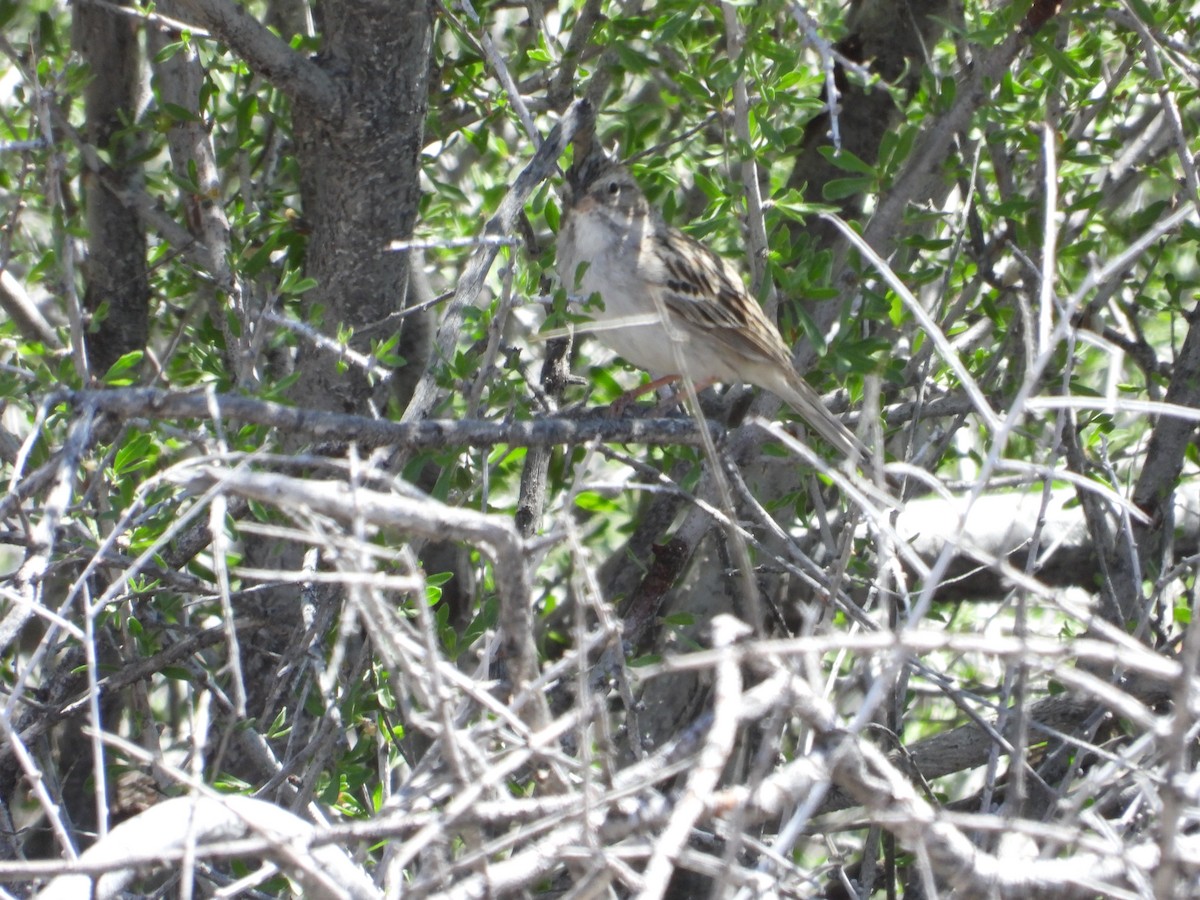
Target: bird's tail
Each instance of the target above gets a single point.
(808, 405)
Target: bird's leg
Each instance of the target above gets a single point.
(678, 396)
(621, 405)
(669, 400)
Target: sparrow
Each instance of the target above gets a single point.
(668, 299)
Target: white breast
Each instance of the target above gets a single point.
(630, 323)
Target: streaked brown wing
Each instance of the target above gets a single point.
(692, 275)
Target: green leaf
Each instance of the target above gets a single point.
(595, 502)
(179, 113)
(847, 162)
(140, 452)
(841, 188)
(124, 371)
(170, 50)
(1143, 11)
(793, 206)
(294, 283)
(1061, 61)
(647, 660)
(679, 619)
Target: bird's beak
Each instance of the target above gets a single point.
(582, 203)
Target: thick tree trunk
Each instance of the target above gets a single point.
(360, 189)
(116, 266)
(360, 184)
(358, 114)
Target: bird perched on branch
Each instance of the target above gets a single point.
(671, 305)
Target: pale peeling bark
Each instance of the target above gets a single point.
(180, 79)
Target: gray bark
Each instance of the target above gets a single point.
(115, 270)
(359, 183)
(359, 111)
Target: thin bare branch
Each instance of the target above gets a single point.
(150, 403)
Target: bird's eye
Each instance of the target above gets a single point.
(613, 187)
